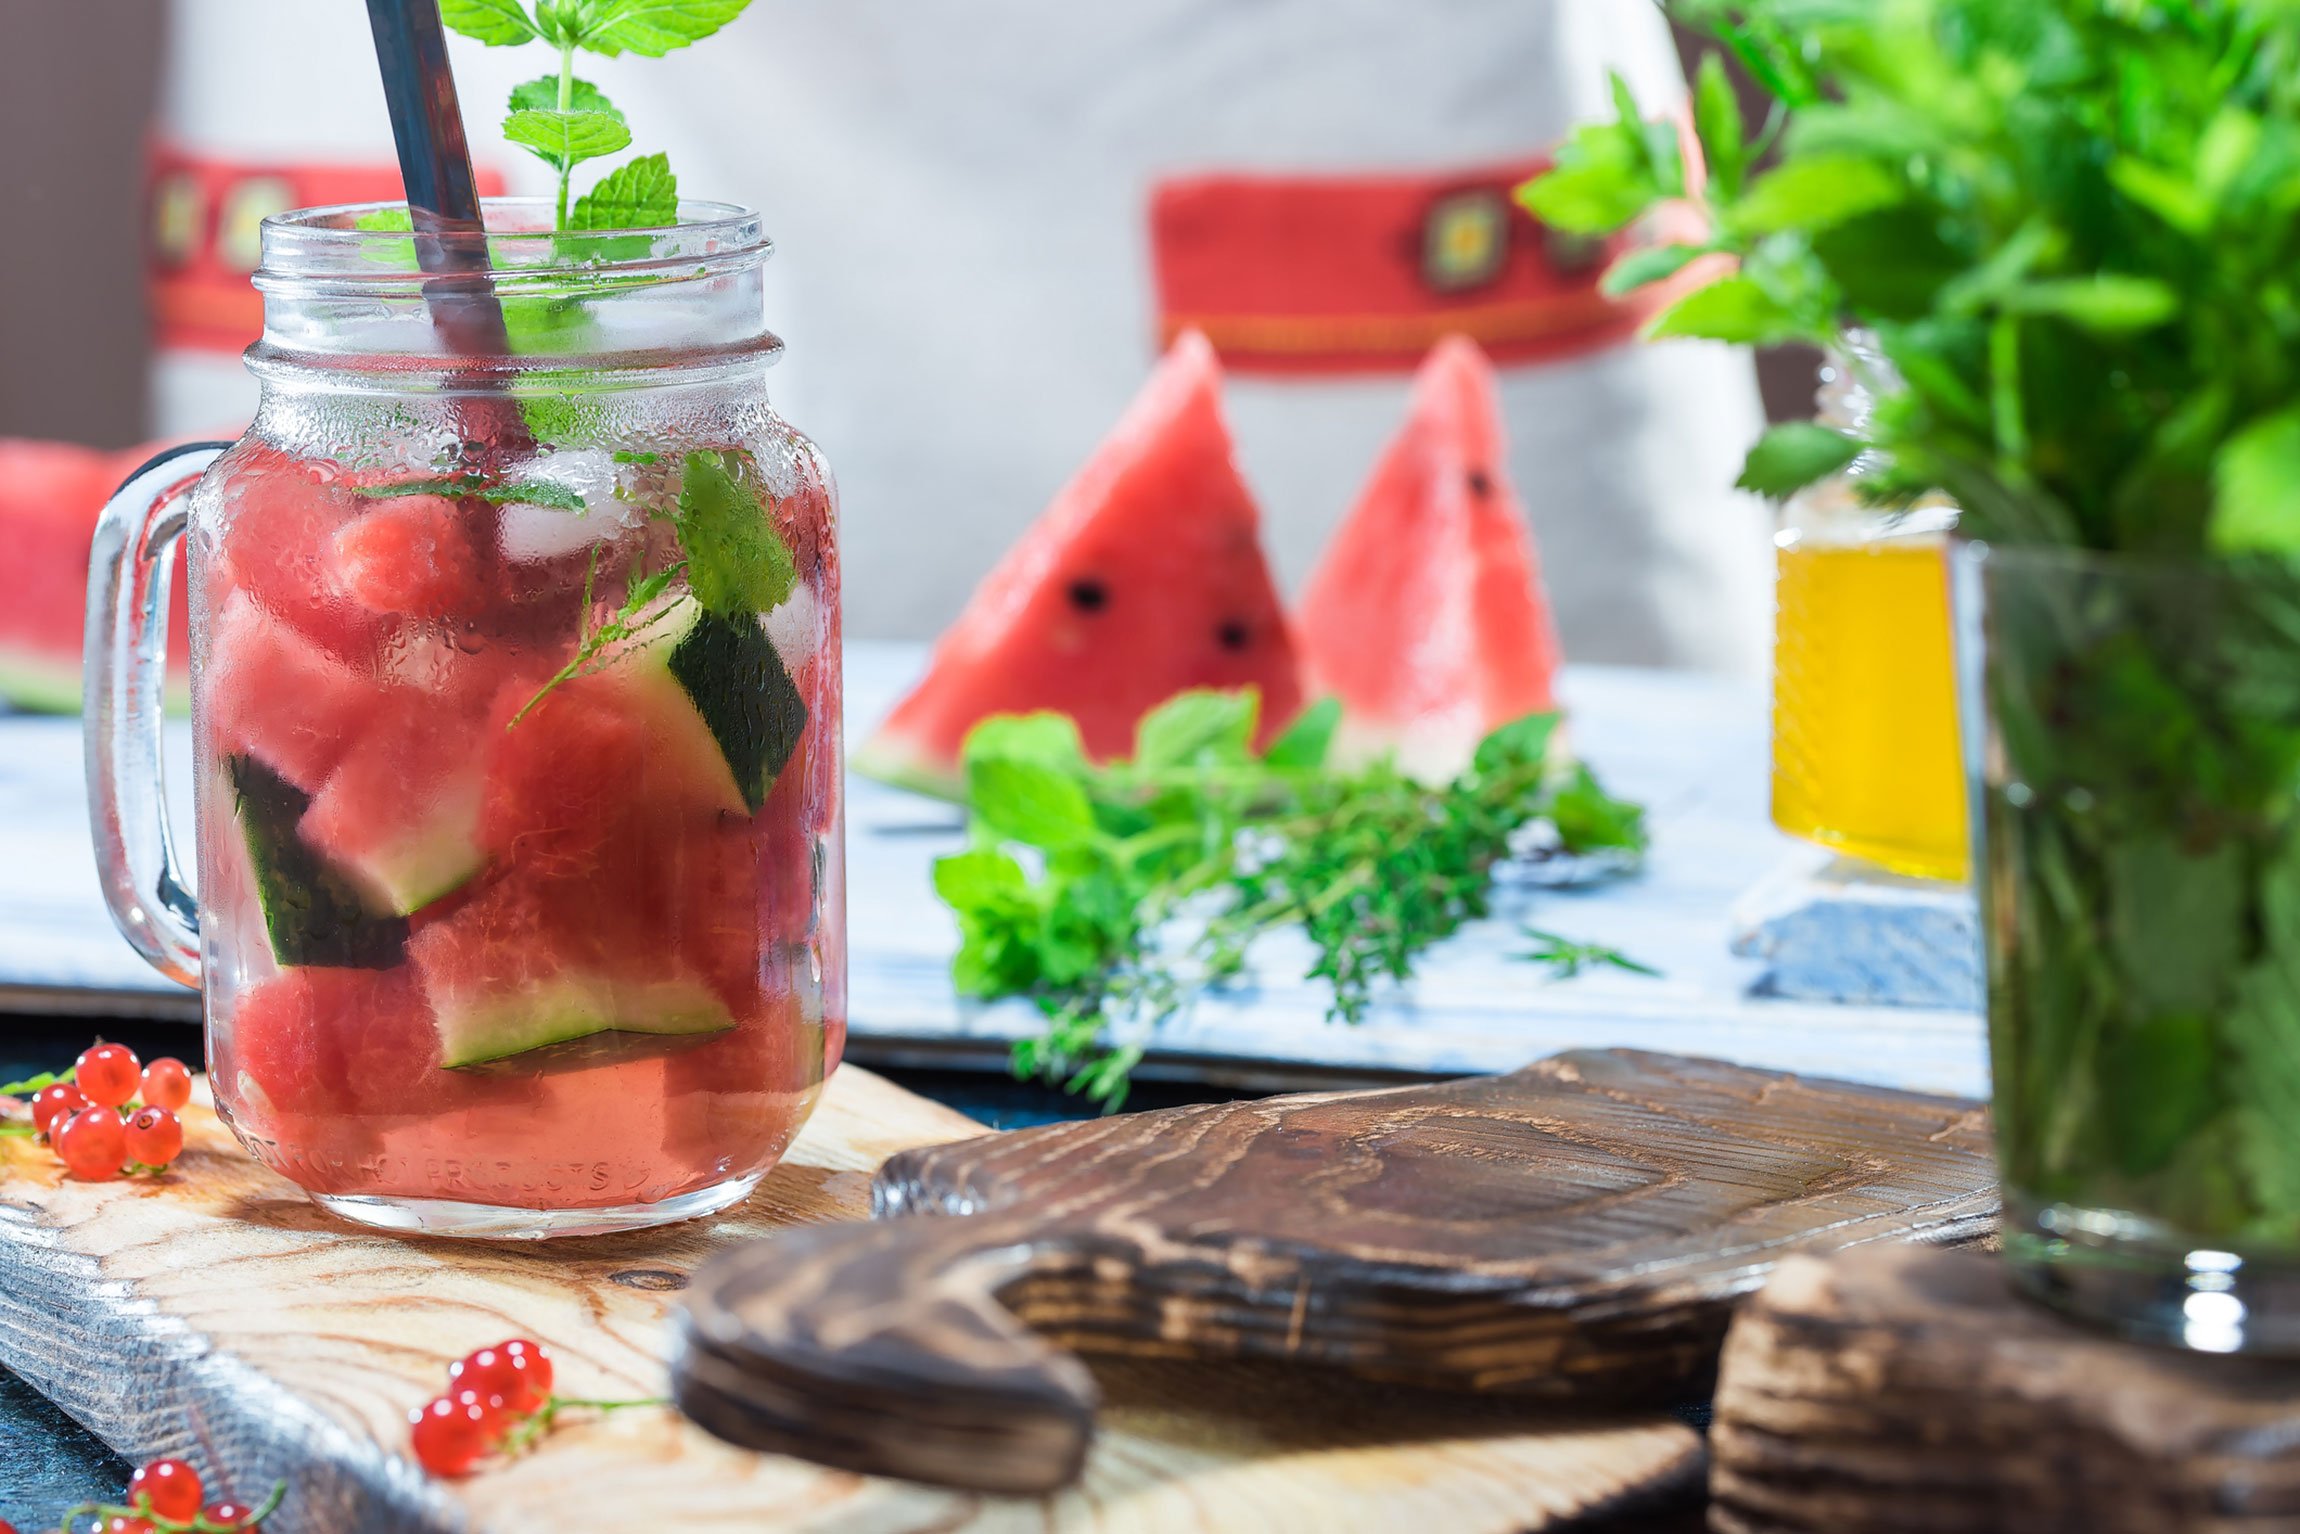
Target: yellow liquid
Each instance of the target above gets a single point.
(1865, 756)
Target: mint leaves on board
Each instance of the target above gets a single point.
(566, 121)
(1110, 894)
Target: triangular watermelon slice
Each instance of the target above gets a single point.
(1144, 578)
(1426, 616)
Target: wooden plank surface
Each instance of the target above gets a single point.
(218, 1315)
(1579, 1230)
(1693, 748)
(1899, 1391)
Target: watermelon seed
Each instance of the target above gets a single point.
(1089, 596)
(1479, 484)
(1232, 635)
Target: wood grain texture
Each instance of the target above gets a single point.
(1578, 1230)
(1910, 1392)
(218, 1315)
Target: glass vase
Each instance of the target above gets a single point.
(2134, 747)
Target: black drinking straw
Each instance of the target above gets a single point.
(442, 194)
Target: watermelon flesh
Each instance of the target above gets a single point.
(1426, 616)
(50, 496)
(1143, 578)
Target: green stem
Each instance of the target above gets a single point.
(566, 103)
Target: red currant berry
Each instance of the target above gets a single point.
(166, 1488)
(155, 1137)
(536, 1364)
(108, 1075)
(54, 1102)
(93, 1143)
(121, 1525)
(228, 1515)
(167, 1084)
(518, 1372)
(450, 1436)
(6, 1527)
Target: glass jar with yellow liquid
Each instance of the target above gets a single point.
(1865, 748)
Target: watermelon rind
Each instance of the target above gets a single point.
(888, 759)
(313, 915)
(572, 1004)
(39, 682)
(431, 861)
(731, 673)
(722, 696)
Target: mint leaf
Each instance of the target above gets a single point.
(1588, 819)
(1515, 746)
(1029, 802)
(1729, 309)
(1198, 729)
(1651, 263)
(1815, 193)
(1305, 743)
(736, 562)
(642, 194)
(497, 23)
(1717, 124)
(649, 27)
(517, 492)
(1047, 738)
(2256, 483)
(566, 139)
(2107, 303)
(542, 95)
(985, 876)
(1793, 455)
(385, 221)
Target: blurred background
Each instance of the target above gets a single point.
(121, 96)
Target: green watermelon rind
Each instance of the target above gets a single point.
(314, 916)
(723, 680)
(571, 1005)
(35, 681)
(428, 864)
(882, 760)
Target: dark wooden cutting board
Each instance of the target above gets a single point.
(1907, 1392)
(1578, 1230)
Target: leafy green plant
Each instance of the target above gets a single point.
(1112, 894)
(566, 121)
(2072, 225)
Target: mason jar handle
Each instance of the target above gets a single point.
(124, 684)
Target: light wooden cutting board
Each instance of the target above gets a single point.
(218, 1315)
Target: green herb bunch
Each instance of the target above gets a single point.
(1112, 894)
(565, 121)
(2073, 226)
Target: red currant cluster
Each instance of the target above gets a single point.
(164, 1498)
(498, 1401)
(110, 1114)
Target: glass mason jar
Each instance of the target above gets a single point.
(1865, 756)
(516, 711)
(2136, 732)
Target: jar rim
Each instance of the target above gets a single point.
(315, 250)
